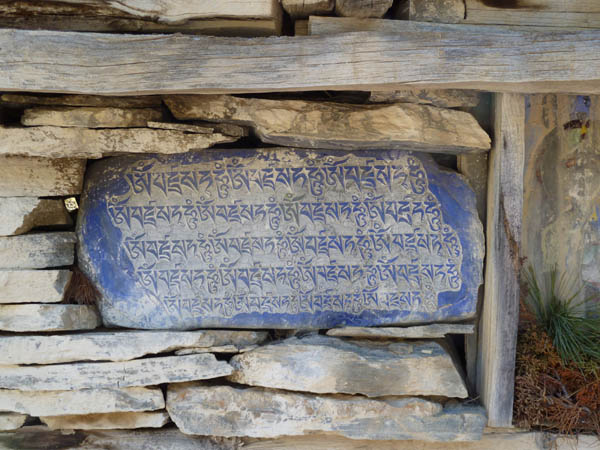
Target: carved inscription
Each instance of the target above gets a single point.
(283, 234)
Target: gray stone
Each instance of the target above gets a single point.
(329, 365)
(220, 349)
(288, 239)
(36, 317)
(11, 421)
(257, 412)
(298, 9)
(474, 167)
(188, 128)
(442, 98)
(83, 401)
(362, 8)
(59, 142)
(33, 286)
(37, 251)
(37, 177)
(90, 117)
(117, 345)
(436, 330)
(108, 421)
(21, 214)
(443, 11)
(298, 123)
(140, 372)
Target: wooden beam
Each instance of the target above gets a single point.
(421, 55)
(500, 315)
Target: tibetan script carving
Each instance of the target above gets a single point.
(280, 238)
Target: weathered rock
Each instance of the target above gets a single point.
(443, 98)
(230, 129)
(108, 421)
(166, 438)
(84, 401)
(287, 239)
(116, 345)
(33, 177)
(59, 142)
(256, 412)
(21, 214)
(11, 421)
(362, 8)
(298, 9)
(329, 365)
(22, 318)
(140, 372)
(141, 101)
(220, 349)
(33, 286)
(340, 126)
(90, 117)
(188, 128)
(436, 330)
(443, 11)
(37, 251)
(474, 167)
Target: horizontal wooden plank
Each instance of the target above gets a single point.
(421, 55)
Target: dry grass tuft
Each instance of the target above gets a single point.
(80, 290)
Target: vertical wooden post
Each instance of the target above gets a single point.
(500, 315)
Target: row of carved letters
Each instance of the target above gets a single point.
(423, 277)
(360, 212)
(419, 245)
(412, 178)
(288, 304)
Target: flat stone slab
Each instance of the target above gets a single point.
(11, 421)
(321, 125)
(33, 286)
(443, 98)
(220, 349)
(117, 345)
(280, 238)
(83, 401)
(37, 251)
(39, 177)
(36, 317)
(108, 421)
(434, 330)
(90, 117)
(257, 412)
(140, 372)
(21, 214)
(328, 365)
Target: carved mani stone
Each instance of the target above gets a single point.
(279, 238)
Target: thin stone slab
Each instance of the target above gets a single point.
(442, 98)
(108, 421)
(329, 365)
(103, 101)
(140, 372)
(37, 177)
(83, 401)
(33, 286)
(21, 214)
(11, 421)
(435, 330)
(59, 142)
(36, 317)
(256, 412)
(220, 349)
(37, 251)
(116, 345)
(297, 123)
(90, 117)
(280, 238)
(298, 9)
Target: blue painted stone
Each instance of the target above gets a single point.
(279, 238)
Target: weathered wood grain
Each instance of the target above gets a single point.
(421, 55)
(542, 13)
(298, 9)
(139, 372)
(97, 101)
(60, 142)
(33, 177)
(35, 317)
(115, 345)
(498, 323)
(335, 126)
